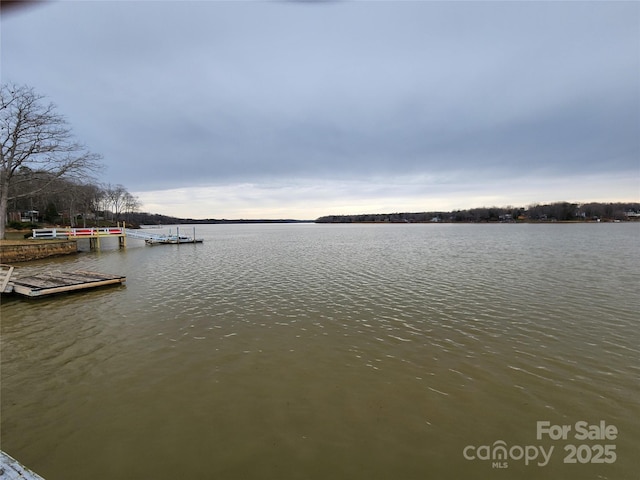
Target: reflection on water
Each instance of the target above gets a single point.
(318, 351)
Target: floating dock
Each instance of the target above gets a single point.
(60, 282)
(172, 240)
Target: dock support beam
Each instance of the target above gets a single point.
(94, 243)
(122, 239)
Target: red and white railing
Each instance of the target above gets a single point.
(77, 232)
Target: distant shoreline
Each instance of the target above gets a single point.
(535, 213)
(239, 221)
(548, 213)
(560, 212)
(485, 222)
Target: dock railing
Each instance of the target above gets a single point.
(67, 232)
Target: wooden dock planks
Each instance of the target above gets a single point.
(5, 276)
(11, 469)
(60, 282)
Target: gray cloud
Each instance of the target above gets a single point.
(177, 94)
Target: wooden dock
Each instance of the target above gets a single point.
(5, 276)
(11, 469)
(60, 282)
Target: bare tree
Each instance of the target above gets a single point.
(116, 197)
(131, 204)
(34, 136)
(89, 202)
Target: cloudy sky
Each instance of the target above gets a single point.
(275, 109)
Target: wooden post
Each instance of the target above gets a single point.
(122, 239)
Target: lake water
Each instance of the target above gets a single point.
(307, 351)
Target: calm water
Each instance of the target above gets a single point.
(334, 351)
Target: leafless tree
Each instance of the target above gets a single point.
(34, 136)
(115, 197)
(131, 204)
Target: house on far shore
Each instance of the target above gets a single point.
(29, 216)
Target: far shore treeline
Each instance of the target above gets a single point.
(96, 212)
(553, 212)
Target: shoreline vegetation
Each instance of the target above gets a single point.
(559, 212)
(563, 212)
(553, 212)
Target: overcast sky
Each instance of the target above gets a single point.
(235, 109)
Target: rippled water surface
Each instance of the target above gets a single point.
(333, 351)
